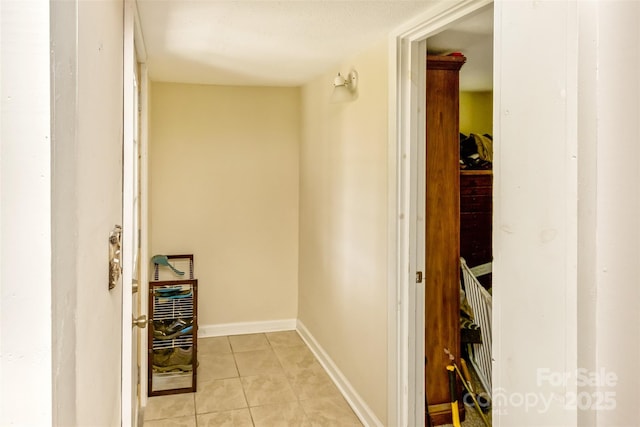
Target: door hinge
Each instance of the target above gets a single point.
(418, 276)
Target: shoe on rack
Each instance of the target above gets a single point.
(173, 359)
(162, 336)
(173, 292)
(164, 330)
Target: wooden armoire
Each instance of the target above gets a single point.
(442, 248)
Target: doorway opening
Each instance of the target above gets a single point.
(410, 224)
(458, 166)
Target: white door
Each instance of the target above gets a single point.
(132, 322)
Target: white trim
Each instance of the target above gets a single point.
(418, 233)
(224, 329)
(144, 226)
(406, 227)
(396, 393)
(141, 50)
(357, 403)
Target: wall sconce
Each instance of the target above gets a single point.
(345, 89)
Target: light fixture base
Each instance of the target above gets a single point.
(345, 89)
(352, 80)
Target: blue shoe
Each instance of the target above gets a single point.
(173, 292)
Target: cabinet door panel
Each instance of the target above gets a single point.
(442, 251)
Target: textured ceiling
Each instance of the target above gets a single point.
(262, 42)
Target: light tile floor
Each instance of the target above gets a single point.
(255, 380)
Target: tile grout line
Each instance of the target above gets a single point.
(195, 410)
(297, 395)
(302, 346)
(244, 392)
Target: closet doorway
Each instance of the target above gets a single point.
(458, 212)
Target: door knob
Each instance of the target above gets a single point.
(140, 322)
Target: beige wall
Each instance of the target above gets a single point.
(476, 112)
(223, 176)
(542, 303)
(343, 225)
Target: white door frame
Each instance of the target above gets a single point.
(128, 413)
(406, 207)
(143, 286)
(143, 295)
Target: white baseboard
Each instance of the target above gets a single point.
(359, 406)
(207, 331)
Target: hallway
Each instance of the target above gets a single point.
(254, 380)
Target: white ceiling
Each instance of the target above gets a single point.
(474, 38)
(267, 42)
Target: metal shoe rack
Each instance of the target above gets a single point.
(172, 353)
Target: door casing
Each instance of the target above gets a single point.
(407, 207)
(133, 390)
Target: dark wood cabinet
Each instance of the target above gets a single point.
(476, 208)
(442, 224)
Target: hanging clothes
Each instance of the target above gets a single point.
(485, 147)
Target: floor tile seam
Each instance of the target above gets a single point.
(253, 422)
(240, 375)
(309, 415)
(221, 412)
(214, 354)
(187, 415)
(273, 349)
(293, 390)
(286, 372)
(297, 395)
(224, 410)
(260, 374)
(249, 408)
(170, 418)
(218, 411)
(289, 373)
(219, 378)
(244, 392)
(250, 350)
(235, 361)
(284, 368)
(288, 382)
(241, 351)
(246, 401)
(202, 377)
(298, 402)
(287, 377)
(293, 373)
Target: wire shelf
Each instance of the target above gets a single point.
(185, 340)
(166, 309)
(173, 310)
